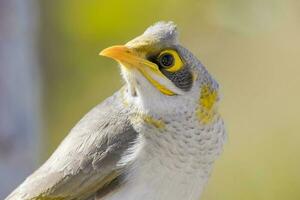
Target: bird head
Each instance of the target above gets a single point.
(160, 73)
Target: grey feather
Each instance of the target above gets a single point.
(87, 158)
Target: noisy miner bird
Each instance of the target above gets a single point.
(155, 139)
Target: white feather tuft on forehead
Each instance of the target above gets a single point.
(163, 31)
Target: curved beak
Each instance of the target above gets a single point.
(121, 54)
(131, 59)
(114, 51)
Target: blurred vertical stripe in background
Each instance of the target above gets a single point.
(251, 47)
(19, 93)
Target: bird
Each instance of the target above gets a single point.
(156, 138)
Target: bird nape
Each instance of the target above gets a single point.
(155, 138)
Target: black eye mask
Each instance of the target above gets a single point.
(182, 79)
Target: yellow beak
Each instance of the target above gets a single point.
(130, 59)
(122, 54)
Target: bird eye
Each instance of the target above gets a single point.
(169, 60)
(166, 60)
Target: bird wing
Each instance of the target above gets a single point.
(86, 160)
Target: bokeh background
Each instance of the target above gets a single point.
(51, 75)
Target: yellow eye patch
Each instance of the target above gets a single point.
(170, 60)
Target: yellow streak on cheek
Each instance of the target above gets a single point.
(206, 110)
(156, 84)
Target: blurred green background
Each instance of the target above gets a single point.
(251, 47)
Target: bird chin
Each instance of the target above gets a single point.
(131, 78)
(139, 86)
